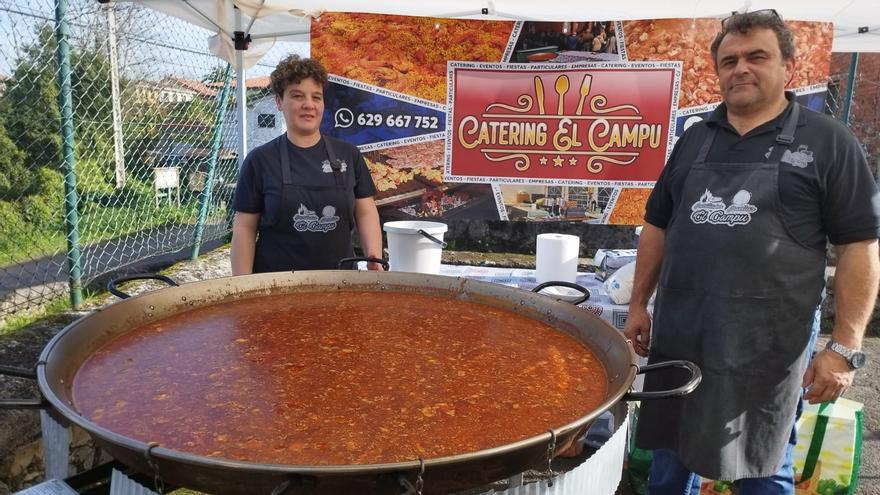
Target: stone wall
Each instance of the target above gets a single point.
(21, 458)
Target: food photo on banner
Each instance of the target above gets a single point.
(526, 121)
(565, 42)
(407, 56)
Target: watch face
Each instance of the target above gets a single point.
(857, 360)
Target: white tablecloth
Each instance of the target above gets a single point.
(599, 303)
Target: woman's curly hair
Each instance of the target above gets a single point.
(293, 70)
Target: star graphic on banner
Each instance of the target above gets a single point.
(572, 161)
(557, 162)
(543, 160)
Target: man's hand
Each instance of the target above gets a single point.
(855, 293)
(827, 377)
(377, 267)
(638, 330)
(648, 261)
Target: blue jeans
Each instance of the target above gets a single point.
(669, 477)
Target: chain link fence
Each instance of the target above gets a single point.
(145, 99)
(859, 76)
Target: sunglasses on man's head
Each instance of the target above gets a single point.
(766, 13)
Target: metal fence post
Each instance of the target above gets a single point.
(65, 103)
(205, 197)
(851, 87)
(115, 101)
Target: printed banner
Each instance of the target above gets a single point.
(366, 115)
(387, 68)
(589, 125)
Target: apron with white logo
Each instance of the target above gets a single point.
(736, 296)
(314, 223)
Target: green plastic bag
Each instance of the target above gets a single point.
(638, 468)
(828, 452)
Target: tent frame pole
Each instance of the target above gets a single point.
(241, 95)
(850, 88)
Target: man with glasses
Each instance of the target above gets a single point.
(735, 242)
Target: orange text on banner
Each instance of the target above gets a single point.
(602, 125)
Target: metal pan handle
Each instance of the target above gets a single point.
(570, 285)
(21, 403)
(432, 238)
(355, 259)
(111, 285)
(690, 386)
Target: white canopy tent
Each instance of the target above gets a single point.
(856, 22)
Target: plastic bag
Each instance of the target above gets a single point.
(619, 285)
(608, 261)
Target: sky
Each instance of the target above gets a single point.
(150, 45)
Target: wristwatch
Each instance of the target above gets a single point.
(855, 359)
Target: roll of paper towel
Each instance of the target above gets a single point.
(556, 258)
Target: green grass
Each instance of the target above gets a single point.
(24, 245)
(52, 307)
(34, 228)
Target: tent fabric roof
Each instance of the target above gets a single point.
(856, 22)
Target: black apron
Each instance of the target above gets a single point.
(736, 296)
(313, 226)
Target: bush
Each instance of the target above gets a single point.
(33, 226)
(95, 177)
(16, 179)
(45, 211)
(9, 219)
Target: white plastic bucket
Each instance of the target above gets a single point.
(411, 251)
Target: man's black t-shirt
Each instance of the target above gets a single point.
(260, 180)
(826, 189)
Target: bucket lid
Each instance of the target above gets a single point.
(413, 227)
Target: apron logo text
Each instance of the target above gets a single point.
(327, 168)
(800, 158)
(711, 209)
(305, 220)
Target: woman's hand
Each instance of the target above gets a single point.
(367, 218)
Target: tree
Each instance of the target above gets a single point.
(216, 74)
(29, 108)
(92, 105)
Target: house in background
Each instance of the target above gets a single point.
(172, 89)
(264, 121)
